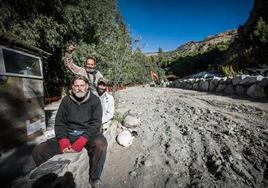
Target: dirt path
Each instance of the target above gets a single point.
(191, 139)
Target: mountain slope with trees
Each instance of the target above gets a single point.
(196, 56)
(250, 48)
(229, 53)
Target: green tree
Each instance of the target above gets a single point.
(259, 42)
(95, 27)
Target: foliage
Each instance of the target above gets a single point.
(118, 117)
(227, 70)
(260, 33)
(250, 49)
(259, 42)
(186, 63)
(95, 27)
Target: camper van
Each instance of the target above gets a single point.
(22, 114)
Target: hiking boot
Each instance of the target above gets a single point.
(96, 183)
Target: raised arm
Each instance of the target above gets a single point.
(69, 63)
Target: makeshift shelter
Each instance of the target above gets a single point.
(22, 112)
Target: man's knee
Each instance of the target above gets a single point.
(37, 150)
(101, 143)
(37, 154)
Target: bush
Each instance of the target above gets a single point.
(228, 70)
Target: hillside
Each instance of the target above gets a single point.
(209, 42)
(228, 53)
(196, 56)
(250, 48)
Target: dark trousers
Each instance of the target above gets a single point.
(96, 148)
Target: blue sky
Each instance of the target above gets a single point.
(170, 23)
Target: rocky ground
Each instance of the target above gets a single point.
(191, 139)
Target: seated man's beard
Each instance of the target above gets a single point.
(79, 94)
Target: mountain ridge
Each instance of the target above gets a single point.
(202, 45)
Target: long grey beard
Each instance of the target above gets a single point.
(79, 94)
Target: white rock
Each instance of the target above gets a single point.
(125, 138)
(131, 121)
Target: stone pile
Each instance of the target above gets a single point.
(241, 85)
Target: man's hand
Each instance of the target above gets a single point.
(64, 144)
(71, 48)
(68, 150)
(79, 144)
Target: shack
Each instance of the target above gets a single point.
(22, 114)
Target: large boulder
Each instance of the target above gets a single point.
(220, 87)
(213, 84)
(188, 85)
(249, 80)
(110, 134)
(241, 90)
(62, 170)
(229, 80)
(195, 86)
(256, 91)
(266, 91)
(216, 80)
(131, 121)
(238, 78)
(229, 90)
(203, 85)
(264, 82)
(65, 167)
(223, 80)
(212, 87)
(178, 84)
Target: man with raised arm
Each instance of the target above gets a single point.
(89, 70)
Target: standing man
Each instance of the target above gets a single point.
(107, 103)
(77, 126)
(89, 70)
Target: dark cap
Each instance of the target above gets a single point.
(103, 81)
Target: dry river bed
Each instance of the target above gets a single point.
(190, 139)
